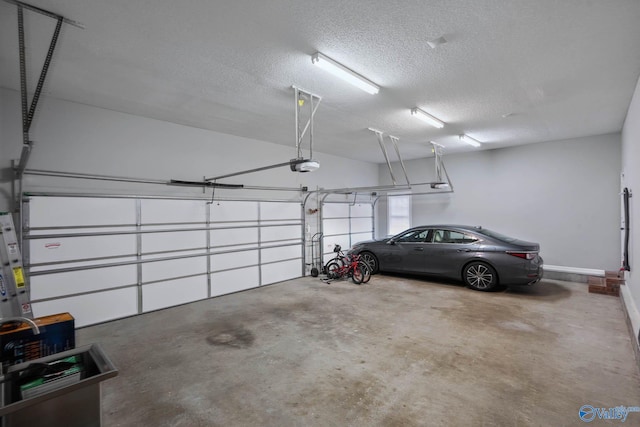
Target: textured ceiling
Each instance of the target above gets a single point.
(512, 71)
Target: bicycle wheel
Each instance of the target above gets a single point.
(336, 260)
(366, 269)
(332, 270)
(357, 275)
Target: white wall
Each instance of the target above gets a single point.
(631, 179)
(562, 194)
(72, 137)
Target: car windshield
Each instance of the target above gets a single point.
(495, 235)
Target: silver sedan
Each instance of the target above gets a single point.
(481, 258)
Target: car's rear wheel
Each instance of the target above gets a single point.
(371, 260)
(480, 276)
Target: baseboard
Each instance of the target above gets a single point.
(571, 274)
(632, 317)
(574, 270)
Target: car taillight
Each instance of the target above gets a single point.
(523, 255)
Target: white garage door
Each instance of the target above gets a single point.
(345, 224)
(103, 258)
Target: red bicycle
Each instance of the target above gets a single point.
(342, 260)
(350, 267)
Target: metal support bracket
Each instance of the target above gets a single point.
(394, 142)
(380, 137)
(46, 13)
(28, 111)
(305, 100)
(302, 97)
(440, 169)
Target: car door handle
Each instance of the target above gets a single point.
(464, 250)
(418, 249)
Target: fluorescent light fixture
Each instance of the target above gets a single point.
(303, 165)
(344, 73)
(426, 117)
(470, 141)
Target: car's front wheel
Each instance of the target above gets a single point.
(371, 260)
(480, 276)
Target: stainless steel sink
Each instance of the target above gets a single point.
(72, 405)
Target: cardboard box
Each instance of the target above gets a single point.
(19, 344)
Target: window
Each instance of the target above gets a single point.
(447, 236)
(495, 235)
(399, 210)
(414, 236)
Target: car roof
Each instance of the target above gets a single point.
(462, 227)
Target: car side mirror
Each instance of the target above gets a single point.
(391, 242)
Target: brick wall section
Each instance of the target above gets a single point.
(607, 285)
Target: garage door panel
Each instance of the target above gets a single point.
(92, 308)
(359, 225)
(226, 282)
(329, 244)
(80, 281)
(172, 211)
(234, 211)
(335, 210)
(281, 253)
(279, 211)
(345, 225)
(78, 248)
(280, 271)
(280, 232)
(173, 292)
(360, 237)
(234, 260)
(234, 236)
(335, 226)
(53, 233)
(86, 264)
(361, 210)
(161, 270)
(173, 241)
(80, 211)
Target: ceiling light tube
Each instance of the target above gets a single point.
(344, 73)
(470, 141)
(428, 118)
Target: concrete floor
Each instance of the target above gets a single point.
(395, 352)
